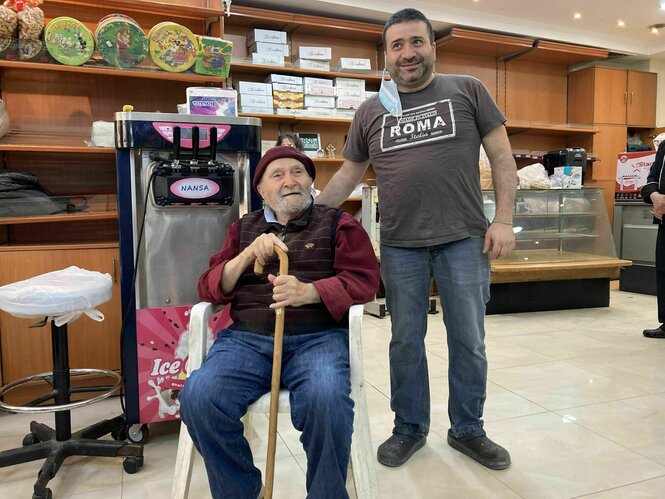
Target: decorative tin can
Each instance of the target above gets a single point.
(121, 42)
(69, 41)
(172, 47)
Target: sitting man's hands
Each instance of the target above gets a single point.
(263, 247)
(289, 291)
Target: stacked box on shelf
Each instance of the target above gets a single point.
(288, 92)
(317, 58)
(353, 64)
(255, 97)
(319, 96)
(268, 46)
(350, 92)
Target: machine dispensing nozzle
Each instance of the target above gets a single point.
(195, 144)
(176, 143)
(213, 146)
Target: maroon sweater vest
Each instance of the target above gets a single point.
(311, 243)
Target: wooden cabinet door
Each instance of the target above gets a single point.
(92, 344)
(642, 88)
(610, 96)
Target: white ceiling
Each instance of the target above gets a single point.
(548, 19)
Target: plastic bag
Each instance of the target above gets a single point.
(533, 176)
(103, 134)
(63, 295)
(658, 139)
(22, 195)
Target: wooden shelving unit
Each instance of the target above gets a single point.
(177, 8)
(26, 141)
(466, 41)
(262, 69)
(152, 73)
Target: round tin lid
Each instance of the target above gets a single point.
(121, 43)
(173, 47)
(69, 41)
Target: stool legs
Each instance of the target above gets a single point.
(60, 343)
(57, 444)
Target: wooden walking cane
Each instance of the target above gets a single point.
(276, 376)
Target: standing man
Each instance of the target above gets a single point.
(653, 193)
(422, 134)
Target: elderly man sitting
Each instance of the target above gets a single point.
(332, 266)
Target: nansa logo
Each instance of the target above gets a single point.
(194, 188)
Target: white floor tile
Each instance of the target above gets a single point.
(576, 396)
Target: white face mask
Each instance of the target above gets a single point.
(389, 96)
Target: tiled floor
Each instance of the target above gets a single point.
(577, 396)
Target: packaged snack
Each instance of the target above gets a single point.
(30, 22)
(212, 101)
(8, 22)
(214, 56)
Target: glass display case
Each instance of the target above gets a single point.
(564, 254)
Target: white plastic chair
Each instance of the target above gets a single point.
(362, 457)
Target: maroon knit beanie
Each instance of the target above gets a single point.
(282, 152)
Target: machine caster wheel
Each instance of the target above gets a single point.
(29, 439)
(138, 434)
(132, 464)
(47, 494)
(119, 433)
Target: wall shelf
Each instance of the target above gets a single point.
(25, 141)
(246, 67)
(562, 54)
(176, 8)
(294, 120)
(98, 207)
(302, 24)
(141, 72)
(466, 41)
(539, 128)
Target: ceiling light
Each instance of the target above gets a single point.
(655, 27)
(577, 15)
(621, 23)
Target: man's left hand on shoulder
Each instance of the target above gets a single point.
(288, 291)
(499, 240)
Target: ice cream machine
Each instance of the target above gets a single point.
(182, 180)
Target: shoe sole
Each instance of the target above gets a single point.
(457, 447)
(396, 463)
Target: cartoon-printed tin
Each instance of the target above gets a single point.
(69, 41)
(173, 47)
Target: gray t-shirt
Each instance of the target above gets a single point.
(427, 164)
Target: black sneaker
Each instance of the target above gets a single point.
(398, 449)
(482, 450)
(659, 332)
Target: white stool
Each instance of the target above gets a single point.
(362, 456)
(61, 297)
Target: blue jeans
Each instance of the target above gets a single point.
(236, 373)
(462, 275)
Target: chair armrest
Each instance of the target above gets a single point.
(356, 345)
(198, 334)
